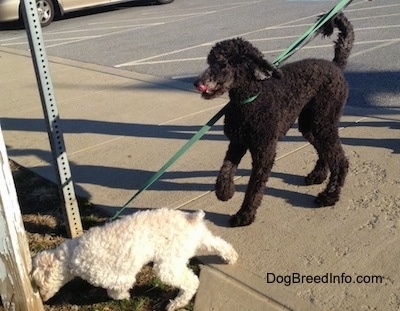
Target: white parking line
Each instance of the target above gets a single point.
(378, 27)
(132, 63)
(208, 7)
(103, 28)
(182, 77)
(374, 16)
(66, 41)
(391, 42)
(170, 61)
(155, 17)
(69, 40)
(14, 38)
(373, 8)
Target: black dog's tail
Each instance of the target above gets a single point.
(345, 40)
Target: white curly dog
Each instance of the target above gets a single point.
(110, 256)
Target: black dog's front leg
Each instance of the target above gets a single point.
(225, 186)
(261, 169)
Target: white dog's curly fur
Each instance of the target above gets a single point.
(112, 255)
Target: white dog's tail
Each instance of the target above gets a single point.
(196, 216)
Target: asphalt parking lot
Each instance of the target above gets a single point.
(172, 41)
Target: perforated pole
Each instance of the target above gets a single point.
(45, 85)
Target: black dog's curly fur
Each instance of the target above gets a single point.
(312, 90)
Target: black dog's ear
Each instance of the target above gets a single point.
(260, 74)
(265, 70)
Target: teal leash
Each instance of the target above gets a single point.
(306, 37)
(250, 99)
(174, 158)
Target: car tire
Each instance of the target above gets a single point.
(164, 1)
(46, 12)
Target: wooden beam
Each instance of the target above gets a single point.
(15, 260)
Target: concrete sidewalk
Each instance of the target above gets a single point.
(121, 127)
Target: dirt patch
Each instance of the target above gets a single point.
(43, 219)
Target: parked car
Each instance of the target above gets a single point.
(10, 10)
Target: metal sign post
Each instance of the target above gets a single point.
(45, 85)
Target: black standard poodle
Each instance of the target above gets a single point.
(265, 102)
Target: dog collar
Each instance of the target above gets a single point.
(250, 99)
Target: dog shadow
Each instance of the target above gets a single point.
(218, 219)
(80, 293)
(297, 199)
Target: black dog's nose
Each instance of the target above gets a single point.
(199, 86)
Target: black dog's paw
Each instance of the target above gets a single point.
(240, 220)
(326, 199)
(224, 189)
(225, 195)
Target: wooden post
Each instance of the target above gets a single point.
(15, 260)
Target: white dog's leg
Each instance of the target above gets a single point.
(188, 284)
(219, 246)
(118, 294)
(177, 274)
(119, 289)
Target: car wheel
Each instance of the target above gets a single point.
(45, 11)
(164, 1)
